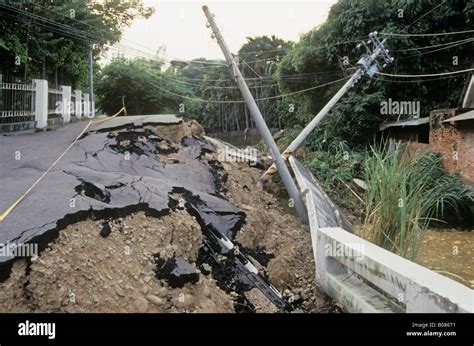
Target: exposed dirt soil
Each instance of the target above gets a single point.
(84, 272)
(278, 234)
(110, 265)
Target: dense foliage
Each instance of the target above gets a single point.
(258, 60)
(323, 48)
(51, 39)
(133, 80)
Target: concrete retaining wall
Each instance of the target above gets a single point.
(363, 277)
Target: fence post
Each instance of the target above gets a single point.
(86, 105)
(78, 105)
(66, 103)
(40, 88)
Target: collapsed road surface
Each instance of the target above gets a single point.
(140, 215)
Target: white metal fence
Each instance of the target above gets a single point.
(16, 104)
(34, 105)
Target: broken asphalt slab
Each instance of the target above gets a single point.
(130, 180)
(122, 166)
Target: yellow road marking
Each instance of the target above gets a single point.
(91, 122)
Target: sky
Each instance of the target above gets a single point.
(180, 25)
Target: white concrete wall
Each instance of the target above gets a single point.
(86, 105)
(346, 262)
(41, 102)
(66, 103)
(413, 287)
(78, 105)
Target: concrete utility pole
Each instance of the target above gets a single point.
(91, 83)
(259, 121)
(368, 66)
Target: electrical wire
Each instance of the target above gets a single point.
(413, 81)
(435, 45)
(167, 78)
(428, 34)
(424, 15)
(242, 101)
(439, 49)
(424, 75)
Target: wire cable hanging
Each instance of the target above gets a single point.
(424, 75)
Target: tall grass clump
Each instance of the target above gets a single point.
(335, 165)
(404, 193)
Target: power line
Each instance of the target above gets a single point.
(413, 81)
(72, 31)
(250, 67)
(429, 34)
(75, 33)
(278, 50)
(424, 15)
(50, 23)
(82, 22)
(323, 74)
(242, 101)
(171, 79)
(289, 78)
(435, 45)
(138, 44)
(424, 75)
(66, 30)
(439, 49)
(326, 46)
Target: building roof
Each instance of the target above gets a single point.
(465, 116)
(403, 123)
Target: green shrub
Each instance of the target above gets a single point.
(405, 192)
(335, 165)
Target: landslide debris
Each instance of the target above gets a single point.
(148, 242)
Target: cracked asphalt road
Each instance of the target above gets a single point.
(129, 170)
(145, 169)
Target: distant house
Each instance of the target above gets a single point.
(449, 132)
(411, 130)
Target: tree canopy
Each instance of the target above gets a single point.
(51, 40)
(133, 80)
(275, 67)
(322, 49)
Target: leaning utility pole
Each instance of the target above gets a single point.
(368, 66)
(91, 83)
(259, 121)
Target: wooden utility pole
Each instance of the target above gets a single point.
(259, 121)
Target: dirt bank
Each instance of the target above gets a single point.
(114, 264)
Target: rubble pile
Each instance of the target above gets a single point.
(160, 225)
